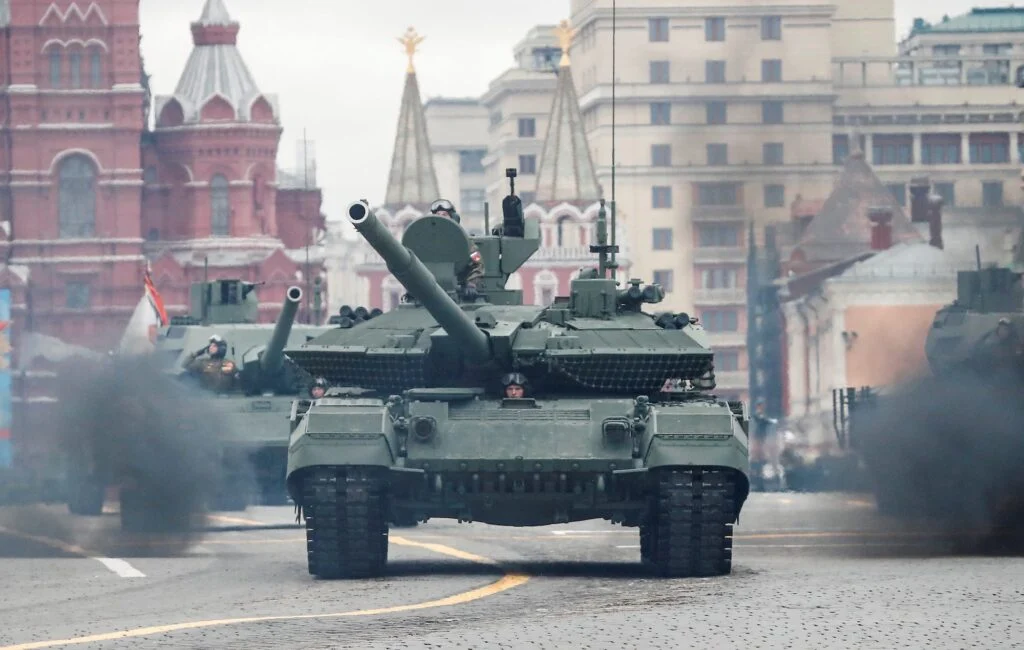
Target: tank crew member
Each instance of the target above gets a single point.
(1001, 347)
(475, 270)
(318, 389)
(214, 371)
(514, 385)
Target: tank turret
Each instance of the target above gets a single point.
(433, 290)
(221, 301)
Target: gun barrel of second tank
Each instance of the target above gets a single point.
(419, 282)
(273, 355)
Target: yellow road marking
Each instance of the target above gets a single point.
(239, 521)
(71, 549)
(506, 582)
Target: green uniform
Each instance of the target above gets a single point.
(215, 375)
(475, 270)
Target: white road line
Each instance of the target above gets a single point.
(594, 532)
(120, 567)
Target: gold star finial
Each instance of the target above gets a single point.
(565, 34)
(411, 41)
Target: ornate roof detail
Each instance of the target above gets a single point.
(842, 229)
(216, 85)
(566, 170)
(412, 179)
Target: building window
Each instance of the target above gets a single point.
(472, 201)
(716, 112)
(55, 64)
(771, 112)
(893, 150)
(659, 72)
(76, 295)
(773, 153)
(720, 320)
(718, 235)
(945, 50)
(664, 278)
(527, 127)
(560, 230)
(220, 206)
(75, 63)
(96, 68)
(996, 48)
(661, 197)
(717, 194)
(898, 191)
(771, 28)
(940, 149)
(661, 113)
(77, 178)
(661, 239)
(728, 360)
(528, 197)
(528, 164)
(992, 194)
(948, 193)
(990, 148)
(471, 161)
(661, 155)
(840, 149)
(774, 196)
(771, 70)
(714, 72)
(714, 29)
(657, 29)
(718, 154)
(719, 278)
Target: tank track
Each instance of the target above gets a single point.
(688, 531)
(346, 523)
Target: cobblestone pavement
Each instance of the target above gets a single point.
(810, 571)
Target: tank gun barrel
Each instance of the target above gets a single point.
(419, 282)
(273, 355)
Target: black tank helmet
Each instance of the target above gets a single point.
(444, 205)
(319, 382)
(516, 378)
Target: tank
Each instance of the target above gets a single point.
(618, 420)
(253, 411)
(974, 354)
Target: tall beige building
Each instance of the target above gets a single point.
(732, 115)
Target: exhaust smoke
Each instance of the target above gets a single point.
(947, 452)
(156, 439)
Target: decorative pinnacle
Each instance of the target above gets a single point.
(410, 40)
(565, 34)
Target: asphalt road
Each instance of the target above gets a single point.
(810, 571)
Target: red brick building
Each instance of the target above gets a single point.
(89, 194)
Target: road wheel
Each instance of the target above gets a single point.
(86, 498)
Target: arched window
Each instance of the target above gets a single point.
(96, 68)
(75, 61)
(220, 204)
(55, 62)
(77, 178)
(561, 230)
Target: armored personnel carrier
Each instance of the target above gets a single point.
(481, 408)
(253, 408)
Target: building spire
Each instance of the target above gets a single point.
(215, 26)
(411, 41)
(565, 34)
(566, 170)
(412, 180)
(215, 13)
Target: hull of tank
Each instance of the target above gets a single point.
(552, 461)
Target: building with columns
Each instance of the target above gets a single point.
(89, 195)
(564, 193)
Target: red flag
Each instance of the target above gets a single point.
(154, 297)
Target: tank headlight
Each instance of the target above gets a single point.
(424, 428)
(616, 431)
